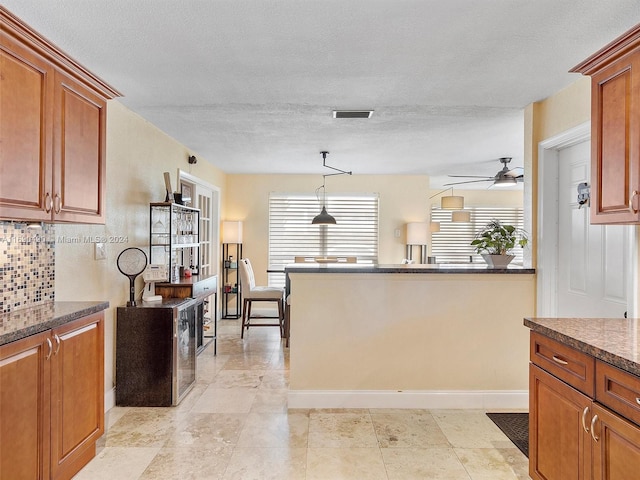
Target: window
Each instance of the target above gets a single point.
(452, 242)
(291, 233)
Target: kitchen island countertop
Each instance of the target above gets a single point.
(29, 321)
(613, 340)
(437, 268)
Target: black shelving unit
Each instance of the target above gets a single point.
(230, 286)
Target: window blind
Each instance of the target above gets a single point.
(452, 243)
(291, 233)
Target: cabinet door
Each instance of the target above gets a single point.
(559, 446)
(616, 453)
(26, 103)
(79, 153)
(615, 142)
(77, 394)
(25, 408)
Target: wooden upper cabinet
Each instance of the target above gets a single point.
(52, 131)
(26, 102)
(79, 157)
(615, 130)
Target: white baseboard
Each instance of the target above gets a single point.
(109, 399)
(433, 399)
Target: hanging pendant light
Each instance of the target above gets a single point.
(323, 218)
(450, 202)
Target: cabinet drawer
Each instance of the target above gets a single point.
(568, 364)
(205, 287)
(618, 390)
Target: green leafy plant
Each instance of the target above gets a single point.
(498, 239)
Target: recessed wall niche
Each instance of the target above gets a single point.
(27, 265)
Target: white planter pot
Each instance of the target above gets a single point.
(497, 261)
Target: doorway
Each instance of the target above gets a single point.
(583, 270)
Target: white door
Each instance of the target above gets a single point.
(592, 259)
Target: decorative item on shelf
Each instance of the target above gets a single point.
(450, 202)
(323, 218)
(434, 227)
(461, 216)
(495, 241)
(417, 234)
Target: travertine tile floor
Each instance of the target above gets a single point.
(235, 424)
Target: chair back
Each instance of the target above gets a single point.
(247, 279)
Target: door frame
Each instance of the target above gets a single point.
(547, 207)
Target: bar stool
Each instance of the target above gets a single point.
(252, 293)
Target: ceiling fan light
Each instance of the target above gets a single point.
(504, 181)
(452, 202)
(323, 218)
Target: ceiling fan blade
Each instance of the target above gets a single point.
(468, 181)
(515, 172)
(472, 176)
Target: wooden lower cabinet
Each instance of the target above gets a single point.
(52, 401)
(559, 447)
(616, 453)
(77, 394)
(24, 408)
(573, 437)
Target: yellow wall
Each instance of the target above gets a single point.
(137, 155)
(403, 199)
(562, 111)
(438, 332)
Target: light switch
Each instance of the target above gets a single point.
(396, 233)
(99, 252)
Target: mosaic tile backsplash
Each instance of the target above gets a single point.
(27, 266)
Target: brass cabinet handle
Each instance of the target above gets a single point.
(559, 360)
(57, 338)
(633, 195)
(48, 203)
(57, 205)
(50, 349)
(638, 400)
(584, 419)
(593, 433)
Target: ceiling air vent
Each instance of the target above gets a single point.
(352, 113)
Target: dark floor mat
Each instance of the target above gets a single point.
(515, 426)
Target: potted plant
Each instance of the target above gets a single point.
(495, 241)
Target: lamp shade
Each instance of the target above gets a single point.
(417, 233)
(452, 202)
(323, 218)
(462, 216)
(232, 232)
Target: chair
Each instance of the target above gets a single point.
(251, 293)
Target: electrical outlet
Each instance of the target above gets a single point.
(396, 233)
(99, 252)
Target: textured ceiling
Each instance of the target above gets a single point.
(250, 85)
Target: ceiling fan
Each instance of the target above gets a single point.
(504, 178)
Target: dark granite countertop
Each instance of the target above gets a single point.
(29, 321)
(613, 340)
(475, 268)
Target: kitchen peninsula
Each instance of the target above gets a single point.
(409, 336)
